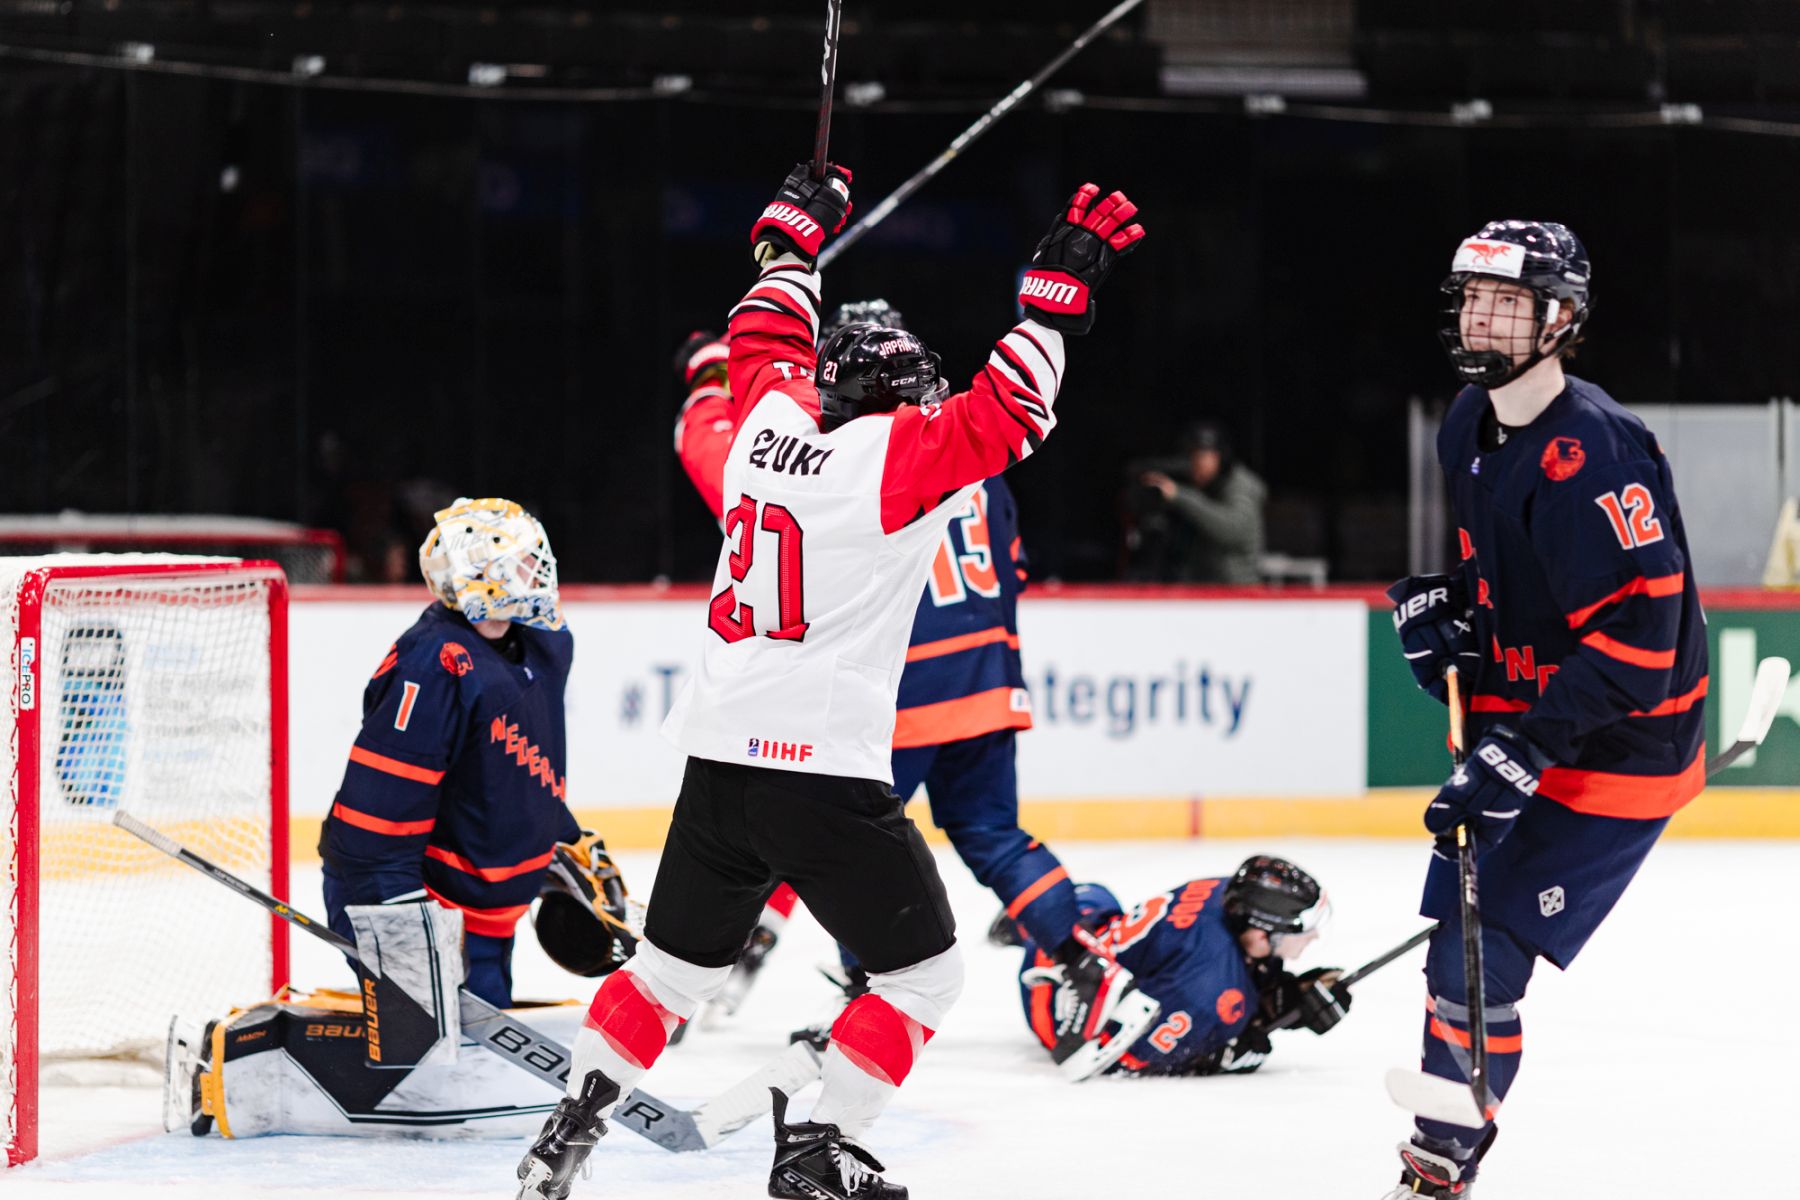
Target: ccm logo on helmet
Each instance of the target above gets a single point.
(784, 214)
(1057, 295)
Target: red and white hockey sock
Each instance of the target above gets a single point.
(778, 908)
(634, 1012)
(873, 1048)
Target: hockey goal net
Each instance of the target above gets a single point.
(153, 684)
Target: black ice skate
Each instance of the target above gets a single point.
(816, 1162)
(1428, 1171)
(569, 1136)
(1004, 932)
(1098, 1008)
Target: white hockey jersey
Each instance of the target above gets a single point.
(828, 537)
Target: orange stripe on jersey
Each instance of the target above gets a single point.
(1498, 704)
(1662, 585)
(1639, 797)
(1043, 1022)
(393, 766)
(1044, 883)
(954, 720)
(1496, 1045)
(387, 664)
(488, 922)
(490, 874)
(363, 820)
(1678, 704)
(962, 641)
(1653, 660)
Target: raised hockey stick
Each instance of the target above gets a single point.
(1433, 1096)
(668, 1126)
(834, 19)
(982, 124)
(1765, 698)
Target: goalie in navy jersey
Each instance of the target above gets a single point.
(962, 696)
(1575, 619)
(836, 493)
(1214, 953)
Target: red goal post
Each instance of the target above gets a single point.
(156, 684)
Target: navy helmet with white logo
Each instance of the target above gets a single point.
(1546, 259)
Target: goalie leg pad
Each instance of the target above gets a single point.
(412, 966)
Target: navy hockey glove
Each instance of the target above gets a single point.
(803, 212)
(1314, 1000)
(1075, 257)
(1488, 791)
(1431, 615)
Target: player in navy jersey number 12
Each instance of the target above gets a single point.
(836, 494)
(1575, 619)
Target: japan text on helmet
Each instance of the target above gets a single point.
(490, 560)
(1275, 896)
(582, 919)
(1543, 257)
(861, 312)
(866, 368)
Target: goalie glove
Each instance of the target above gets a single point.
(1084, 244)
(804, 212)
(584, 918)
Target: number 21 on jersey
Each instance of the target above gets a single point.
(726, 615)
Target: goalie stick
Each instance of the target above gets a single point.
(1440, 1099)
(667, 1125)
(982, 124)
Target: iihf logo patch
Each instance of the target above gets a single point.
(755, 748)
(1475, 467)
(1552, 901)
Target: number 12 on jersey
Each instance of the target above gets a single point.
(734, 621)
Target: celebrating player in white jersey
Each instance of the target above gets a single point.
(837, 493)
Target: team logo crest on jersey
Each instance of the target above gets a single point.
(1552, 901)
(1563, 457)
(454, 659)
(1230, 1006)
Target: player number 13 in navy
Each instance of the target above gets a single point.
(734, 621)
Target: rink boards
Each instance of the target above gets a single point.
(1158, 713)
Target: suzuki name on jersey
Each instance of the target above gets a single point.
(786, 453)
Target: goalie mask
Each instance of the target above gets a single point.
(1545, 259)
(868, 368)
(581, 919)
(490, 560)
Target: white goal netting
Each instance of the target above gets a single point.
(151, 684)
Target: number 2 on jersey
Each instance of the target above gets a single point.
(733, 621)
(1633, 515)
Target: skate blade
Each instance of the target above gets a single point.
(534, 1177)
(1434, 1098)
(1133, 1017)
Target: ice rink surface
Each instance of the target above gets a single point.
(1655, 1070)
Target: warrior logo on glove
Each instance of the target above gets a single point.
(1075, 258)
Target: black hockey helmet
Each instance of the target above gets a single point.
(1543, 257)
(867, 368)
(861, 312)
(581, 916)
(1275, 896)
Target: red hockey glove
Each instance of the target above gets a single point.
(701, 359)
(1431, 615)
(1488, 791)
(803, 212)
(1075, 258)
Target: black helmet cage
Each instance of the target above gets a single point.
(1555, 270)
(1275, 896)
(867, 368)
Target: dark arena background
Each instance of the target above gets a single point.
(320, 261)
